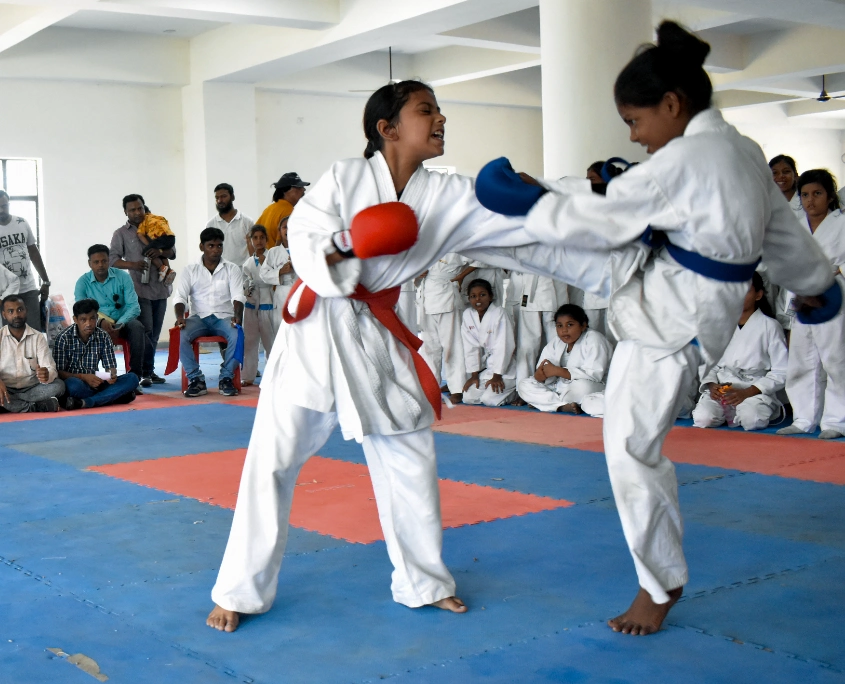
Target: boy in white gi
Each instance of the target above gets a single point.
(743, 386)
(259, 308)
(571, 366)
(489, 348)
(349, 361)
(277, 270)
(673, 245)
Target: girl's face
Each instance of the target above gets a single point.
(479, 299)
(421, 127)
(784, 177)
(568, 329)
(815, 200)
(654, 127)
(259, 241)
(283, 233)
(751, 298)
(593, 177)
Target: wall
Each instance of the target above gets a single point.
(307, 133)
(98, 143)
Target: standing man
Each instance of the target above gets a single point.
(235, 225)
(214, 288)
(289, 189)
(128, 252)
(119, 308)
(19, 253)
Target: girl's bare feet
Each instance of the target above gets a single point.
(453, 603)
(223, 620)
(569, 408)
(519, 401)
(644, 616)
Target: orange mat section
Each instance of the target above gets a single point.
(332, 497)
(767, 454)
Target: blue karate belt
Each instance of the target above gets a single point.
(709, 268)
(239, 346)
(261, 307)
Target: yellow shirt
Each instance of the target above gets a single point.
(271, 217)
(154, 227)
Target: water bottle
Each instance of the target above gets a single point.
(145, 274)
(729, 410)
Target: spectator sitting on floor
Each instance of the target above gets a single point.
(78, 351)
(28, 378)
(119, 308)
(215, 289)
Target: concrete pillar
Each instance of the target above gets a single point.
(585, 44)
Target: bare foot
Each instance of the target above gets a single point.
(456, 398)
(519, 401)
(452, 603)
(223, 620)
(644, 616)
(569, 408)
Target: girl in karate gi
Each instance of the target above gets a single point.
(673, 244)
(348, 361)
(441, 305)
(571, 366)
(489, 347)
(259, 318)
(815, 376)
(753, 366)
(277, 270)
(494, 276)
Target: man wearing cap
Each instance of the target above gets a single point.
(289, 189)
(235, 225)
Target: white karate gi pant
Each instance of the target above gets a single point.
(815, 375)
(258, 324)
(535, 330)
(753, 413)
(403, 470)
(550, 396)
(443, 347)
(486, 396)
(636, 422)
(406, 309)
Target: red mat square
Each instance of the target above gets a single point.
(332, 497)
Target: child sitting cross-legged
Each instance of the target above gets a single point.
(570, 367)
(489, 346)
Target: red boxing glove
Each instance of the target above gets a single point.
(379, 230)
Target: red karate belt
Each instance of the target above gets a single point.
(381, 304)
(173, 350)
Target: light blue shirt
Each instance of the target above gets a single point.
(116, 283)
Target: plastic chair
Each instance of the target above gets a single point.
(124, 345)
(236, 381)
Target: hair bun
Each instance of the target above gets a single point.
(682, 44)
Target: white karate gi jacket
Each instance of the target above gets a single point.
(489, 343)
(734, 217)
(274, 259)
(588, 360)
(262, 293)
(437, 293)
(340, 359)
(830, 236)
(755, 356)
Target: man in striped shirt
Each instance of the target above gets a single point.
(78, 351)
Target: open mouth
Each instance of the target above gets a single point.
(439, 135)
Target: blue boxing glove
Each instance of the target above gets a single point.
(831, 304)
(499, 188)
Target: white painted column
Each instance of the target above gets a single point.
(585, 44)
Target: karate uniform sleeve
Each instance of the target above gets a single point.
(503, 345)
(593, 360)
(710, 376)
(269, 270)
(310, 229)
(792, 257)
(548, 354)
(775, 379)
(634, 201)
(472, 344)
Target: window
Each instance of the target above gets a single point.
(21, 180)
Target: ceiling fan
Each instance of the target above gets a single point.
(390, 81)
(824, 97)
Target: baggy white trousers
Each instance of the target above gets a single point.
(753, 413)
(443, 347)
(549, 397)
(636, 421)
(486, 395)
(536, 329)
(258, 324)
(403, 470)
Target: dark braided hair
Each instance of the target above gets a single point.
(386, 103)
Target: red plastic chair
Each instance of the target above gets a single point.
(124, 345)
(236, 381)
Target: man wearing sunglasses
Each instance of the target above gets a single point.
(119, 308)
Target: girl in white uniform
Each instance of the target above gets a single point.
(674, 302)
(489, 347)
(259, 309)
(815, 377)
(571, 366)
(440, 306)
(277, 270)
(343, 366)
(751, 372)
(494, 276)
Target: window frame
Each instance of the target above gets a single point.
(26, 198)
